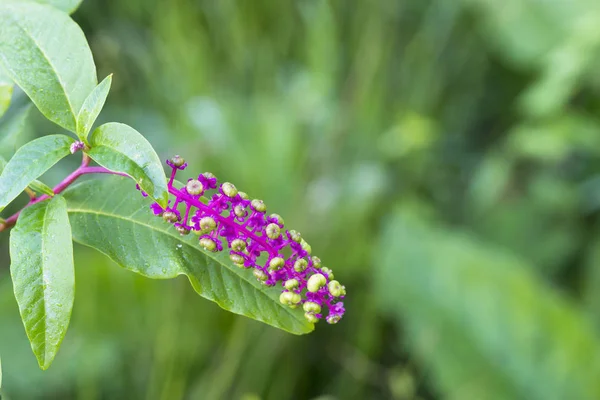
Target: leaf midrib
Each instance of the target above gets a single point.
(131, 220)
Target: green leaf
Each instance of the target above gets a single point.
(41, 187)
(119, 147)
(43, 276)
(6, 91)
(68, 6)
(29, 162)
(112, 217)
(485, 325)
(92, 107)
(45, 52)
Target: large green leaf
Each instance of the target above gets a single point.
(112, 217)
(119, 147)
(43, 276)
(44, 52)
(481, 321)
(91, 107)
(29, 162)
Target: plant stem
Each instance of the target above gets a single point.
(84, 169)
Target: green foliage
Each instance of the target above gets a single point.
(484, 324)
(146, 245)
(44, 52)
(29, 162)
(91, 108)
(11, 127)
(43, 275)
(68, 6)
(6, 91)
(121, 148)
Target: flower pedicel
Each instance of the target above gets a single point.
(230, 217)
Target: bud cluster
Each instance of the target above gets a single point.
(223, 217)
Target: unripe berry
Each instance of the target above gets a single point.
(312, 307)
(305, 246)
(239, 210)
(194, 187)
(238, 245)
(300, 265)
(316, 282)
(316, 262)
(208, 244)
(335, 289)
(182, 230)
(243, 195)
(291, 284)
(310, 317)
(237, 259)
(207, 224)
(273, 231)
(328, 272)
(229, 189)
(170, 216)
(295, 236)
(276, 263)
(177, 161)
(333, 319)
(258, 205)
(260, 275)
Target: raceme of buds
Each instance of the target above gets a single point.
(224, 217)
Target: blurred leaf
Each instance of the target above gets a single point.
(11, 127)
(30, 162)
(45, 52)
(485, 326)
(91, 107)
(6, 91)
(110, 216)
(43, 275)
(121, 148)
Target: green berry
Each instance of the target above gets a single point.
(300, 265)
(258, 205)
(229, 189)
(316, 282)
(276, 263)
(316, 262)
(182, 230)
(170, 216)
(312, 307)
(238, 245)
(260, 275)
(305, 246)
(310, 317)
(194, 187)
(273, 231)
(207, 224)
(291, 284)
(208, 244)
(335, 289)
(295, 236)
(177, 161)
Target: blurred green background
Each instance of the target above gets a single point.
(442, 157)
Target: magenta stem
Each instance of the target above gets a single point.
(83, 169)
(190, 200)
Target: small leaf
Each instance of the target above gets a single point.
(29, 162)
(41, 187)
(6, 91)
(68, 6)
(91, 108)
(112, 217)
(43, 276)
(45, 52)
(120, 148)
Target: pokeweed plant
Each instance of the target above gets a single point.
(267, 273)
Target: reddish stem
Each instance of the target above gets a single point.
(84, 169)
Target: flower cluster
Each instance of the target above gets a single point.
(223, 216)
